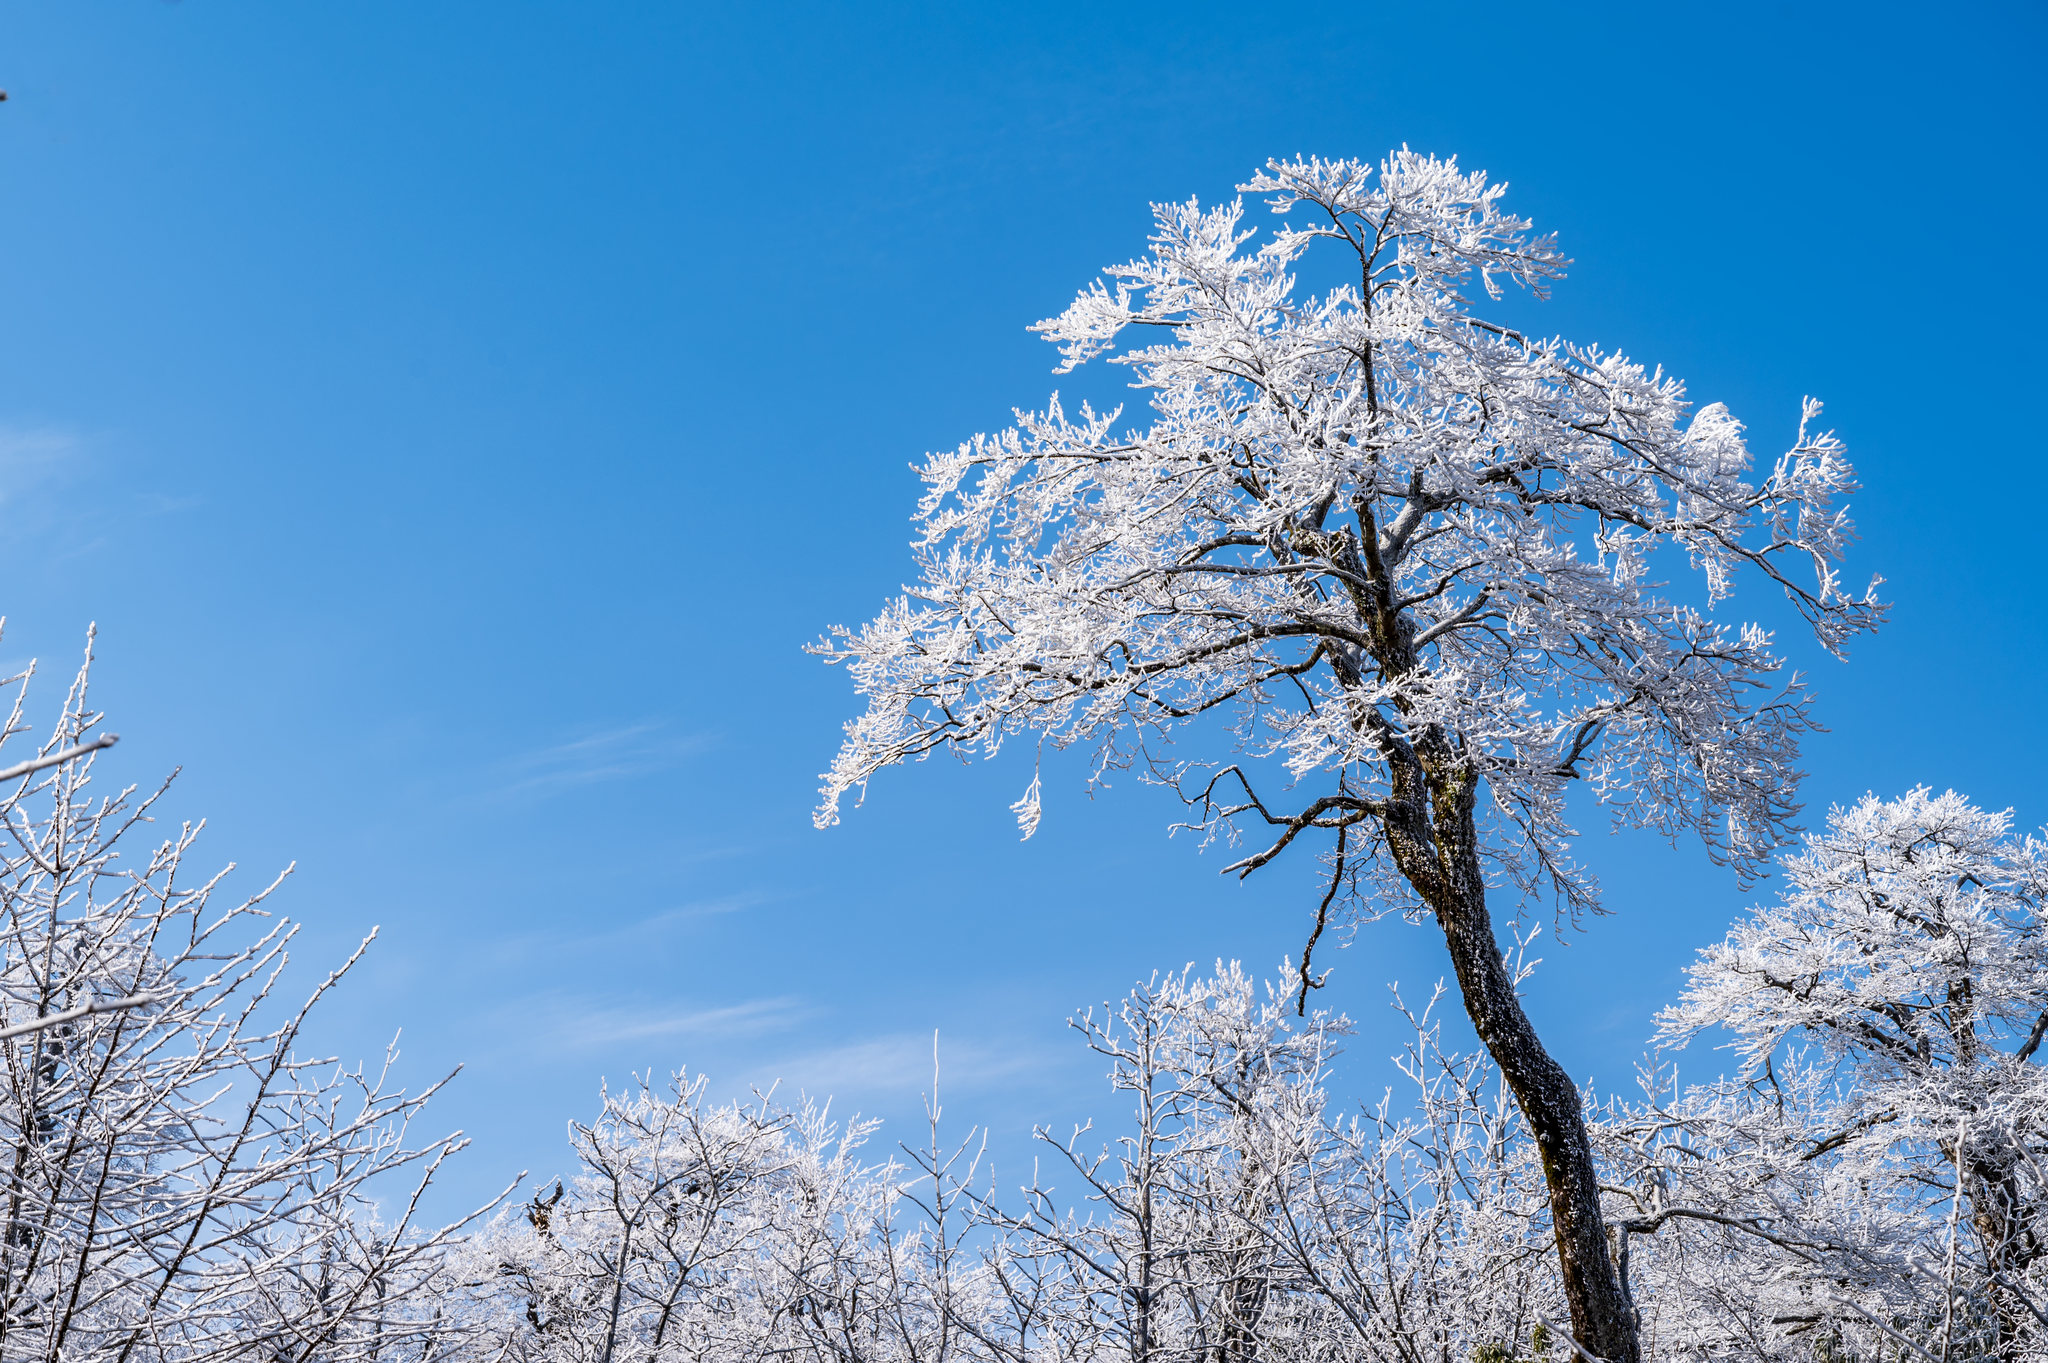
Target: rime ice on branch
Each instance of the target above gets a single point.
(1358, 518)
(1907, 962)
(1413, 554)
(182, 1181)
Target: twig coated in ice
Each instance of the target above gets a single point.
(74, 1014)
(36, 764)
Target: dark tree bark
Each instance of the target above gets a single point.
(1433, 834)
(1435, 842)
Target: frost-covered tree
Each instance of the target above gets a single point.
(1742, 1232)
(693, 1229)
(1238, 1217)
(1408, 554)
(179, 1180)
(1166, 1243)
(1232, 1216)
(1908, 956)
(1233, 1213)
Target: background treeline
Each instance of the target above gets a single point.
(183, 1182)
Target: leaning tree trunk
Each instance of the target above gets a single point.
(1432, 791)
(1435, 841)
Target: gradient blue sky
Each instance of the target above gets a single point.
(458, 416)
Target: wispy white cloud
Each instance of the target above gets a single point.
(607, 755)
(36, 460)
(696, 911)
(899, 1065)
(569, 1025)
(167, 503)
(587, 938)
(34, 457)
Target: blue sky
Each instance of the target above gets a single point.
(457, 418)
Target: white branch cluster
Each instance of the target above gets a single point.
(184, 1184)
(179, 1180)
(1360, 518)
(1234, 1218)
(1888, 1011)
(1235, 1215)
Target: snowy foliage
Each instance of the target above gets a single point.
(1233, 1218)
(1236, 1215)
(1901, 983)
(1866, 1186)
(180, 1180)
(1412, 557)
(1362, 524)
(1409, 555)
(696, 1230)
